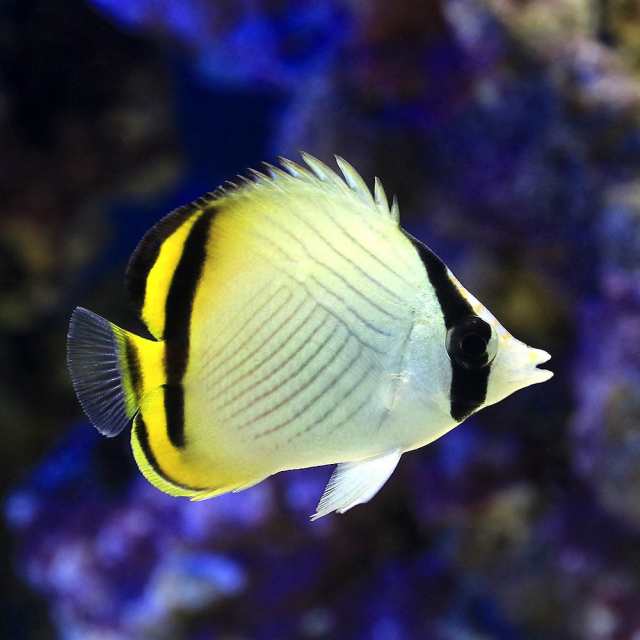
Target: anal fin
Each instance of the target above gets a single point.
(354, 483)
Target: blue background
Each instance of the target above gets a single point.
(511, 134)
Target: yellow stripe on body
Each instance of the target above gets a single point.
(196, 466)
(179, 472)
(149, 470)
(161, 274)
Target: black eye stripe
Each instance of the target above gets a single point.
(473, 344)
(454, 307)
(468, 386)
(468, 343)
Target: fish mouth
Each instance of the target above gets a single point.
(536, 358)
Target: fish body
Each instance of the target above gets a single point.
(294, 324)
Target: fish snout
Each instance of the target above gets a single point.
(536, 357)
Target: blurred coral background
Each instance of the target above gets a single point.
(510, 130)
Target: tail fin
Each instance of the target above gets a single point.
(105, 370)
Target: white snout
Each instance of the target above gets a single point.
(534, 374)
(515, 367)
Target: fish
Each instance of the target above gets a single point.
(293, 323)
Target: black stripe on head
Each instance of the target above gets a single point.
(143, 438)
(468, 386)
(178, 309)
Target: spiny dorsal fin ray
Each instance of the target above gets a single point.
(395, 209)
(379, 195)
(317, 174)
(296, 170)
(319, 168)
(275, 173)
(353, 178)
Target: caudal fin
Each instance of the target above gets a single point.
(101, 361)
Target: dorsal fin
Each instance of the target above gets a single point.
(152, 264)
(317, 175)
(151, 267)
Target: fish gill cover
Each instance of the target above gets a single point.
(511, 132)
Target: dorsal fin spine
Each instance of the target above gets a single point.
(318, 173)
(354, 180)
(296, 170)
(395, 210)
(319, 168)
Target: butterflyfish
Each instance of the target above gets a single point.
(292, 323)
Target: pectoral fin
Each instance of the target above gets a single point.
(354, 483)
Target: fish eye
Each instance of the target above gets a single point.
(472, 343)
